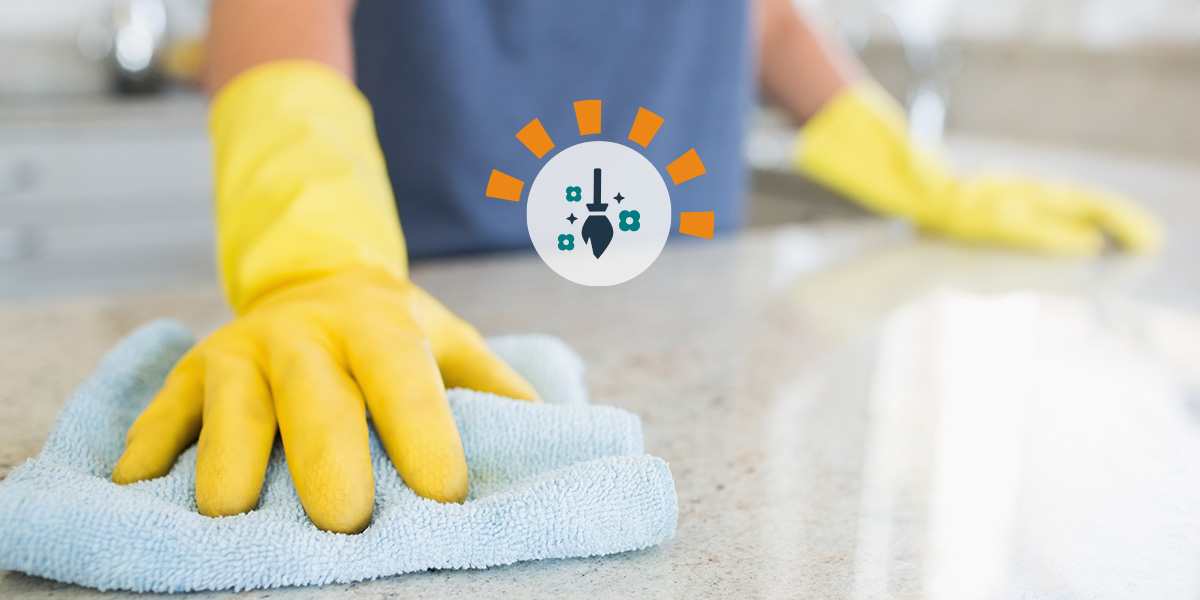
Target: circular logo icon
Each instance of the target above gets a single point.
(599, 213)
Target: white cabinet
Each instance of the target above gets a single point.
(104, 196)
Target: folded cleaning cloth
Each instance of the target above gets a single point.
(551, 480)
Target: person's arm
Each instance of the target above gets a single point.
(246, 33)
(801, 67)
(312, 260)
(855, 141)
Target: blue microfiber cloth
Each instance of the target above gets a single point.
(553, 480)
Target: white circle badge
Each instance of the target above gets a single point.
(599, 213)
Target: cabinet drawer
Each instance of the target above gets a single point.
(99, 168)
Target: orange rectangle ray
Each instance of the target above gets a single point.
(698, 224)
(587, 112)
(686, 167)
(504, 187)
(645, 125)
(535, 138)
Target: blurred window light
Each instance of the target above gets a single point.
(1053, 440)
(149, 14)
(927, 115)
(134, 50)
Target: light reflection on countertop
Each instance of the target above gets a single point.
(848, 411)
(1038, 446)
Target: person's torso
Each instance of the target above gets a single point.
(453, 81)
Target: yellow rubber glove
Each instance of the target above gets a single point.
(857, 145)
(328, 324)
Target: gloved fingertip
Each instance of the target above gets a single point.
(130, 470)
(121, 475)
(432, 463)
(1132, 226)
(215, 503)
(143, 458)
(518, 389)
(446, 485)
(1145, 239)
(339, 508)
(1145, 246)
(1081, 243)
(481, 370)
(347, 522)
(224, 489)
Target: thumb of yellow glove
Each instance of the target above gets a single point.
(857, 145)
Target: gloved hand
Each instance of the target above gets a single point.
(329, 326)
(857, 145)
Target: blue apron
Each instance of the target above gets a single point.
(453, 81)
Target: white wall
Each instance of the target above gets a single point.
(1088, 23)
(48, 18)
(61, 19)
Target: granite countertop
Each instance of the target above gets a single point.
(848, 410)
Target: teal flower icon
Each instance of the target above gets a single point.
(629, 220)
(574, 194)
(566, 241)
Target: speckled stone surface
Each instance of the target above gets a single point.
(837, 418)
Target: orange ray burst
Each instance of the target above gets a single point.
(699, 224)
(504, 187)
(535, 138)
(587, 112)
(645, 125)
(686, 167)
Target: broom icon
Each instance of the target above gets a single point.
(597, 229)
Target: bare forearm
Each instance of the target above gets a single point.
(801, 67)
(245, 33)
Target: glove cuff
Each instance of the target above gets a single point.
(858, 146)
(302, 189)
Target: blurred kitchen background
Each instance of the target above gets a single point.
(105, 169)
